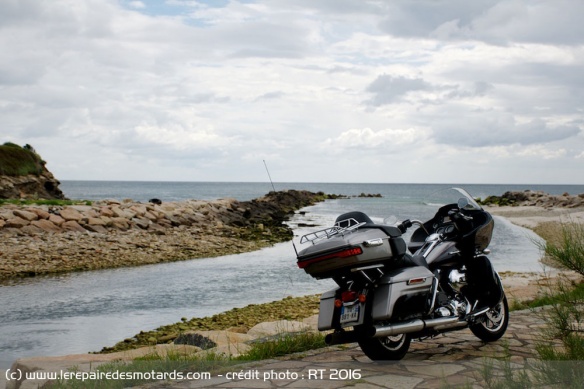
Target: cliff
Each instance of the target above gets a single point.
(23, 175)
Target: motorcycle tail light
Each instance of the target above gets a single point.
(349, 295)
(340, 254)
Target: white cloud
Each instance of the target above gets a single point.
(137, 4)
(368, 139)
(167, 90)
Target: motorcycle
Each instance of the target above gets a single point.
(387, 296)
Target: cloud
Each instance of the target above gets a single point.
(387, 89)
(381, 141)
(482, 130)
(165, 90)
(492, 21)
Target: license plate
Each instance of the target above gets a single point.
(349, 313)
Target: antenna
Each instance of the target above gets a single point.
(274, 189)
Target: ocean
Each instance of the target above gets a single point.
(82, 312)
(174, 191)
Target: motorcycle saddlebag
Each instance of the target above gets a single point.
(346, 251)
(407, 288)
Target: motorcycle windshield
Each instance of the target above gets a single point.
(457, 196)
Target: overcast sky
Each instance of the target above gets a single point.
(416, 91)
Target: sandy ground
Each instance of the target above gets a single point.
(526, 286)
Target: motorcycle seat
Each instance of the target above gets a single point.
(361, 217)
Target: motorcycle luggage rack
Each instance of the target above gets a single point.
(340, 227)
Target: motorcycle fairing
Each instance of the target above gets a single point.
(483, 283)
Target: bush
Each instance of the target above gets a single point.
(568, 250)
(18, 161)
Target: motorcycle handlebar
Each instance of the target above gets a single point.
(403, 226)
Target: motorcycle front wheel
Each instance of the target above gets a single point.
(493, 323)
(389, 348)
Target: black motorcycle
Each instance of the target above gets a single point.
(386, 296)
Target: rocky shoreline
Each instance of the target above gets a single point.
(43, 239)
(532, 198)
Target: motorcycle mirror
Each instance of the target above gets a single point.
(462, 202)
(390, 220)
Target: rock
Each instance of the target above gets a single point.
(72, 225)
(106, 211)
(534, 198)
(16, 222)
(56, 220)
(71, 214)
(142, 223)
(95, 228)
(195, 339)
(168, 232)
(46, 226)
(120, 223)
(42, 214)
(274, 328)
(95, 221)
(30, 216)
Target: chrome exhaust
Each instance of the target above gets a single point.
(417, 325)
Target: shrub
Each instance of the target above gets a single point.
(18, 161)
(568, 251)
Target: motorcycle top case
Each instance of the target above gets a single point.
(361, 247)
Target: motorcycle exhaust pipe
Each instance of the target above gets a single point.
(340, 338)
(441, 323)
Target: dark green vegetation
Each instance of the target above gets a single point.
(19, 161)
(44, 202)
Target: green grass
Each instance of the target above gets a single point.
(19, 161)
(284, 345)
(44, 202)
(575, 293)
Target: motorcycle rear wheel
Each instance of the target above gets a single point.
(494, 322)
(390, 348)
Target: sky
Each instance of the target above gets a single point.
(396, 91)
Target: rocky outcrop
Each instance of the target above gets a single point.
(30, 186)
(23, 175)
(535, 198)
(111, 233)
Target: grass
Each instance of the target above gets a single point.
(19, 161)
(572, 293)
(284, 345)
(44, 202)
